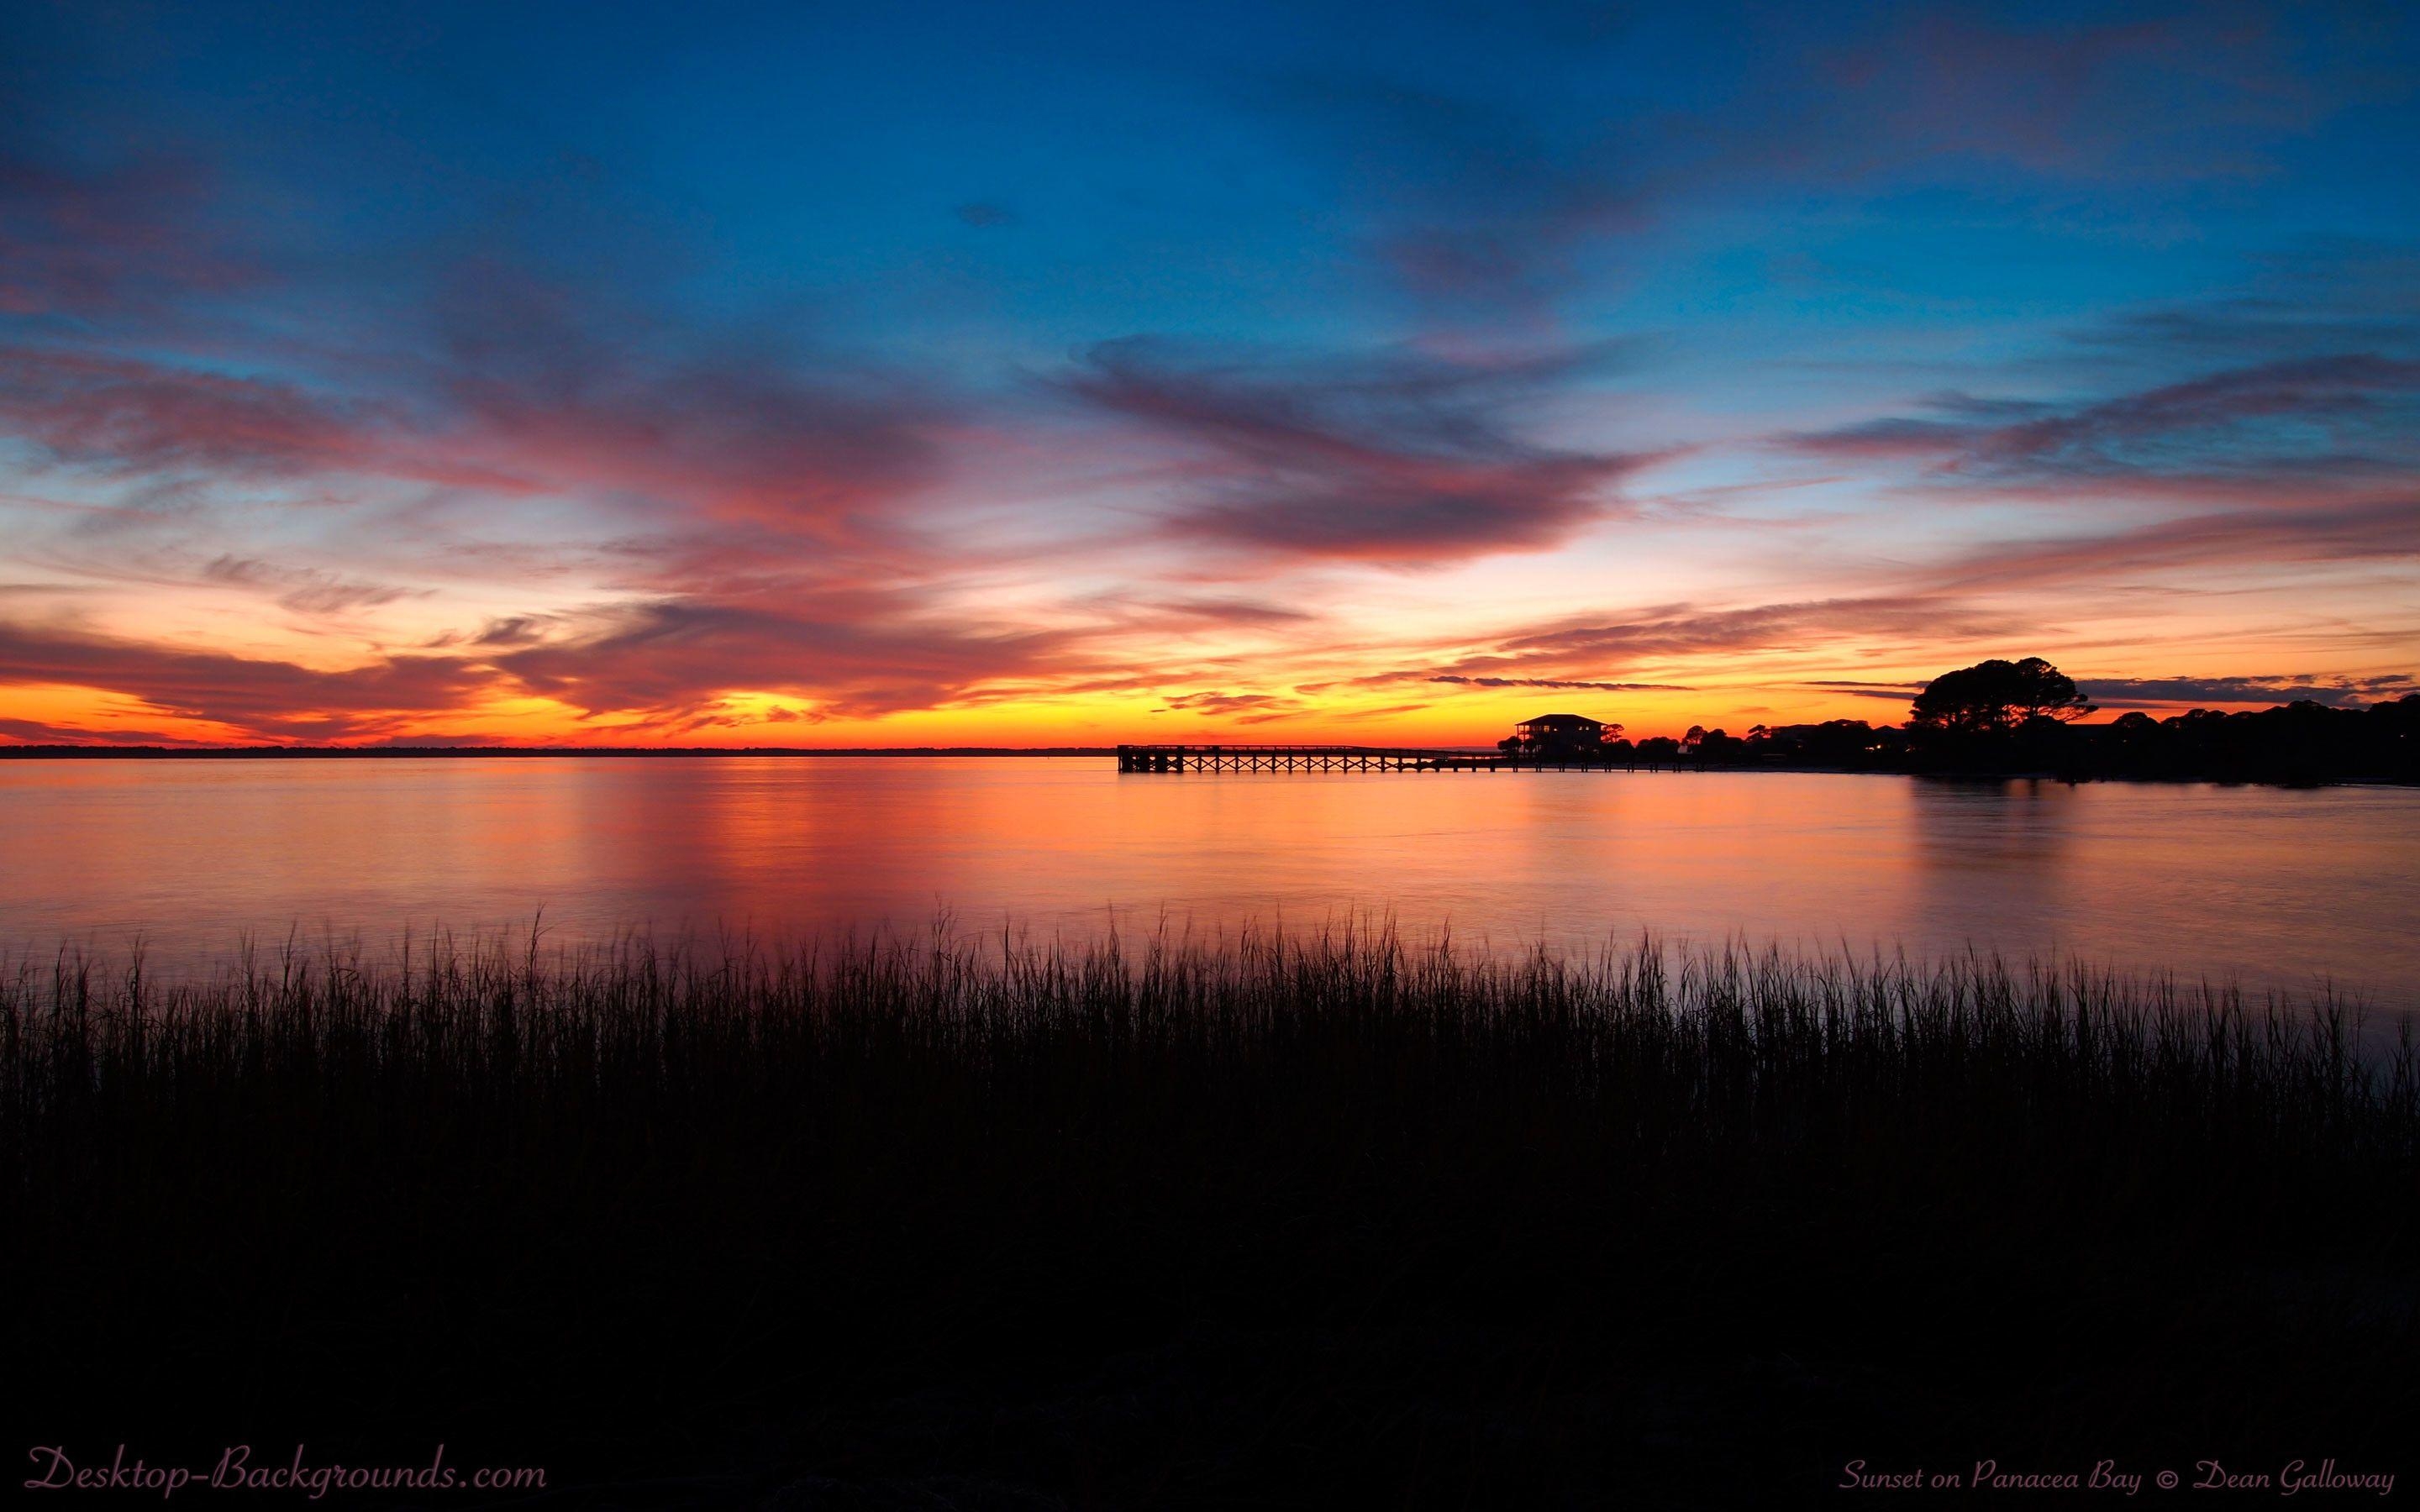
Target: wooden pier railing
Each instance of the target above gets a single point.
(1354, 759)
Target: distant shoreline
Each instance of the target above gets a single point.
(53, 752)
(331, 753)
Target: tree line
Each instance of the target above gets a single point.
(2026, 716)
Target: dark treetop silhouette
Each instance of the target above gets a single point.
(1998, 695)
(2001, 717)
(2020, 716)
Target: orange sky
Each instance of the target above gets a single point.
(1188, 378)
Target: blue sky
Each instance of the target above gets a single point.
(792, 375)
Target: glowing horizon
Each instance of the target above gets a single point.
(1078, 375)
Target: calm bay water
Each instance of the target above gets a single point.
(2270, 888)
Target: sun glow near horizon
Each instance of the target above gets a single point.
(1385, 393)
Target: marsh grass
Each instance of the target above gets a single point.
(978, 1221)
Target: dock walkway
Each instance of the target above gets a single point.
(1353, 759)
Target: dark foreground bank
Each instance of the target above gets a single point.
(1325, 1224)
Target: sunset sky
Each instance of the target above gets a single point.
(1026, 374)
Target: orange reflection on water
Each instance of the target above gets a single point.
(2266, 886)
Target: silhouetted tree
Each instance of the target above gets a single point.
(2300, 742)
(1996, 695)
(1717, 748)
(1851, 743)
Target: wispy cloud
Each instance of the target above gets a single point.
(1214, 703)
(734, 428)
(1488, 207)
(2313, 421)
(2163, 692)
(39, 732)
(2380, 532)
(1474, 206)
(1396, 458)
(1558, 682)
(854, 654)
(1683, 630)
(127, 417)
(2117, 693)
(1586, 652)
(257, 697)
(305, 590)
(109, 241)
(1509, 316)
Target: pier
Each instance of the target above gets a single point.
(1355, 759)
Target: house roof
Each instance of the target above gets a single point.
(1561, 719)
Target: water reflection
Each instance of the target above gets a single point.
(2271, 886)
(1999, 856)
